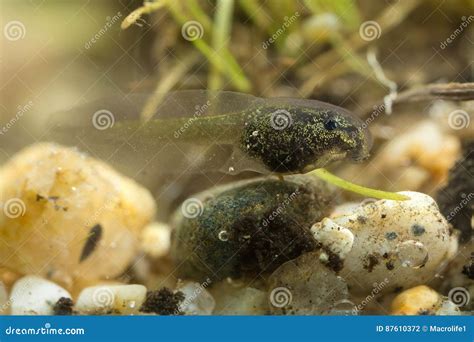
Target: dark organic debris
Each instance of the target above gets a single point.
(468, 269)
(456, 198)
(370, 262)
(63, 307)
(163, 302)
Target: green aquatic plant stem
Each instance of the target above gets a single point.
(220, 38)
(253, 9)
(341, 183)
(223, 61)
(198, 13)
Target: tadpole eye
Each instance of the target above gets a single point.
(330, 124)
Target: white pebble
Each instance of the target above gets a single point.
(336, 238)
(32, 295)
(156, 239)
(304, 286)
(67, 215)
(232, 300)
(404, 242)
(197, 300)
(123, 299)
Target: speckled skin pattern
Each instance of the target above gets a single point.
(289, 139)
(257, 239)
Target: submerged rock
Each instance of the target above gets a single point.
(398, 243)
(247, 301)
(422, 300)
(197, 300)
(239, 299)
(249, 227)
(32, 295)
(305, 286)
(456, 199)
(458, 277)
(68, 215)
(106, 299)
(155, 239)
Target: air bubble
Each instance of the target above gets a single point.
(344, 307)
(223, 235)
(412, 253)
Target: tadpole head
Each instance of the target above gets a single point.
(304, 135)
